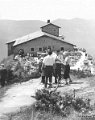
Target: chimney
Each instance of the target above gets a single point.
(48, 21)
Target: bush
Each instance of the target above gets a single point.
(81, 74)
(53, 102)
(17, 73)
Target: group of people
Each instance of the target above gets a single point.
(52, 65)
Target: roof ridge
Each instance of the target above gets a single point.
(35, 35)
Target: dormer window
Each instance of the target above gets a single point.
(51, 29)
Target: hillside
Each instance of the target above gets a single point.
(78, 31)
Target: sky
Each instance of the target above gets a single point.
(46, 9)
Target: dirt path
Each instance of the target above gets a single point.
(19, 95)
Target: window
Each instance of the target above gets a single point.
(32, 49)
(44, 48)
(49, 47)
(40, 49)
(62, 48)
(53, 46)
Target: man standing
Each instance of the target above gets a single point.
(48, 62)
(3, 75)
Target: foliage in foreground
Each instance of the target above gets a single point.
(81, 74)
(16, 73)
(51, 101)
(19, 75)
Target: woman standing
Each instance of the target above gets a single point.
(67, 71)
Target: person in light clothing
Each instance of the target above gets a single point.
(48, 62)
(42, 71)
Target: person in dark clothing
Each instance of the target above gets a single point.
(58, 63)
(57, 73)
(67, 72)
(9, 76)
(3, 75)
(48, 73)
(48, 62)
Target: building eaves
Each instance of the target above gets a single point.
(57, 38)
(36, 35)
(10, 41)
(28, 37)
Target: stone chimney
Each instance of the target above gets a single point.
(48, 21)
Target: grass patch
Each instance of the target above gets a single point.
(26, 113)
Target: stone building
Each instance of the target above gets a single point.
(47, 37)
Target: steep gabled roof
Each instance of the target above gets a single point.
(28, 37)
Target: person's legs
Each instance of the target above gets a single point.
(53, 72)
(50, 73)
(46, 81)
(66, 81)
(43, 74)
(59, 73)
(56, 76)
(70, 80)
(46, 75)
(43, 79)
(50, 81)
(2, 82)
(59, 77)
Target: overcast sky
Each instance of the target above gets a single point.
(46, 9)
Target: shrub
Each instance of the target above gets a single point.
(47, 100)
(51, 101)
(17, 73)
(81, 74)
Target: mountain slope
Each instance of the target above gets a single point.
(78, 31)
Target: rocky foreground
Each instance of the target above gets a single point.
(19, 95)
